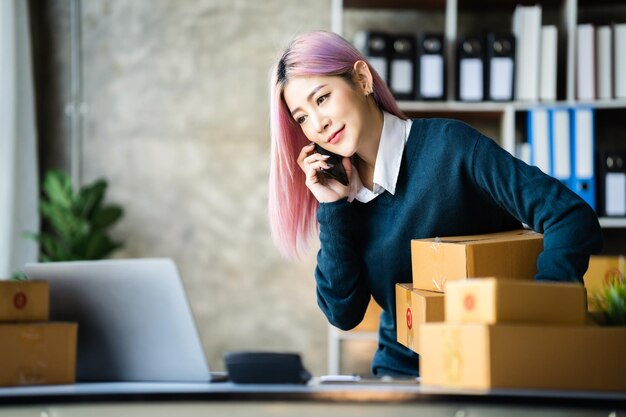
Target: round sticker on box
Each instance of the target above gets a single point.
(20, 300)
(409, 318)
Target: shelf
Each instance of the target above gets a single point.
(613, 222)
(395, 4)
(441, 4)
(496, 107)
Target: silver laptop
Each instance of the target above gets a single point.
(134, 321)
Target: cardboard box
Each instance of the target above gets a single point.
(24, 301)
(436, 261)
(602, 271)
(492, 301)
(37, 353)
(482, 356)
(371, 319)
(413, 308)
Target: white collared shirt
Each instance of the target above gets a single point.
(392, 140)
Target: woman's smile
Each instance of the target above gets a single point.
(337, 136)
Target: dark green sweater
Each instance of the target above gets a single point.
(453, 181)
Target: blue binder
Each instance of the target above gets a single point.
(560, 144)
(583, 144)
(539, 139)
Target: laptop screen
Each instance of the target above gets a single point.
(134, 320)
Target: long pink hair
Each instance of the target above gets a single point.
(292, 207)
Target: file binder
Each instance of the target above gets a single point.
(539, 139)
(470, 68)
(583, 181)
(548, 63)
(402, 67)
(619, 60)
(585, 62)
(375, 48)
(500, 67)
(611, 183)
(604, 51)
(527, 29)
(560, 141)
(431, 71)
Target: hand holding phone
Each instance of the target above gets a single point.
(336, 171)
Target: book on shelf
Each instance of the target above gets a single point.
(585, 62)
(583, 144)
(604, 74)
(611, 175)
(527, 30)
(619, 68)
(402, 66)
(470, 68)
(548, 63)
(431, 74)
(539, 139)
(560, 144)
(500, 66)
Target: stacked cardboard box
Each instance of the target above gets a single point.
(438, 261)
(33, 350)
(508, 334)
(602, 270)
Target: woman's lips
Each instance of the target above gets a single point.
(336, 137)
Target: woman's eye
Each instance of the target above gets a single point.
(322, 99)
(300, 119)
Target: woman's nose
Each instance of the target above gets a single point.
(320, 123)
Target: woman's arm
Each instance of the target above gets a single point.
(341, 292)
(570, 226)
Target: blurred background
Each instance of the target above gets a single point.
(168, 101)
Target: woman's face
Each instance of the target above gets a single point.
(330, 111)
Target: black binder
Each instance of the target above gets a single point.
(470, 68)
(611, 183)
(402, 66)
(500, 67)
(431, 67)
(375, 47)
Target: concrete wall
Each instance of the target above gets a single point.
(177, 122)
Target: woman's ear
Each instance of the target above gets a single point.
(363, 77)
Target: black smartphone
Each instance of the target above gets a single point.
(336, 171)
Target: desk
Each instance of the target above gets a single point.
(326, 400)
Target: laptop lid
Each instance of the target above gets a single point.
(134, 321)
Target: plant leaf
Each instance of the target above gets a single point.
(106, 217)
(89, 199)
(58, 187)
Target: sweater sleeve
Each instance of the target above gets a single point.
(342, 293)
(570, 227)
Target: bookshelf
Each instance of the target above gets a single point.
(501, 120)
(505, 122)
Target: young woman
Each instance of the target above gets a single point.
(408, 179)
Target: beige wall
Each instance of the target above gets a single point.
(178, 122)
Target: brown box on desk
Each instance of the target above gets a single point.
(602, 271)
(37, 353)
(492, 301)
(512, 254)
(24, 301)
(483, 356)
(413, 308)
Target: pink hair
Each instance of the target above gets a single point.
(292, 207)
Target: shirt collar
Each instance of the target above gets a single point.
(392, 140)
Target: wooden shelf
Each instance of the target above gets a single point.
(441, 4)
(613, 222)
(498, 107)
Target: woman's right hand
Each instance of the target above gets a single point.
(325, 189)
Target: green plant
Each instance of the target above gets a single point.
(611, 300)
(78, 221)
